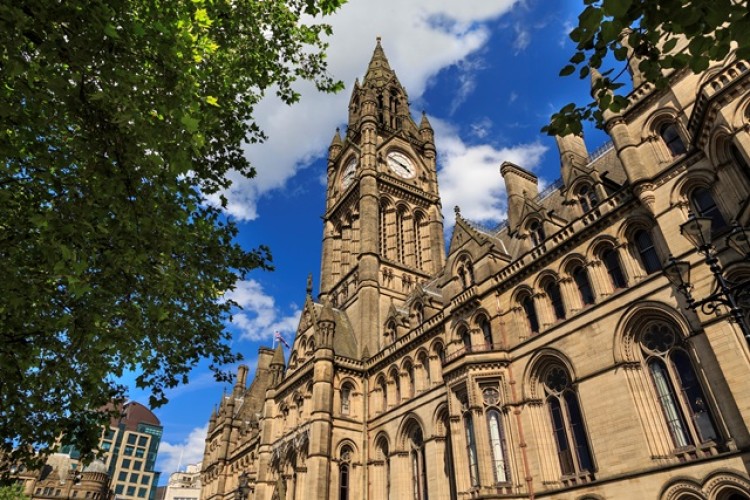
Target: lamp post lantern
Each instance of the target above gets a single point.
(697, 230)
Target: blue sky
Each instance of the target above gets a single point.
(486, 73)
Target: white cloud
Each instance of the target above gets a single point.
(467, 79)
(470, 174)
(481, 128)
(522, 40)
(512, 97)
(260, 316)
(174, 457)
(420, 38)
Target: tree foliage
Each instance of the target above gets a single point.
(657, 38)
(117, 118)
(12, 492)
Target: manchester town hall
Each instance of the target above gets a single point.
(592, 346)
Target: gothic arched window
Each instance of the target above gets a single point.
(705, 206)
(484, 325)
(418, 463)
(419, 313)
(568, 427)
(344, 471)
(390, 332)
(587, 198)
(346, 394)
(418, 221)
(612, 263)
(647, 251)
(465, 338)
(383, 386)
(400, 236)
(386, 457)
(471, 450)
(552, 289)
(498, 444)
(527, 303)
(383, 240)
(424, 360)
(536, 232)
(678, 389)
(581, 278)
(671, 137)
(395, 380)
(409, 369)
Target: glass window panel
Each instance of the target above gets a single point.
(668, 403)
(497, 446)
(578, 430)
(694, 397)
(581, 279)
(561, 438)
(555, 297)
(705, 205)
(471, 450)
(645, 246)
(528, 306)
(612, 263)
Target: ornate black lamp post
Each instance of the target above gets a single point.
(697, 230)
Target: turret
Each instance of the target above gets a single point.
(520, 185)
(277, 365)
(241, 383)
(336, 144)
(425, 131)
(326, 327)
(573, 155)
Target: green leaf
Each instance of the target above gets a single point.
(567, 70)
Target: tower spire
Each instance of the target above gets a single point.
(379, 71)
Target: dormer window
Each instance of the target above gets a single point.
(536, 232)
(465, 272)
(419, 313)
(587, 198)
(390, 331)
(672, 139)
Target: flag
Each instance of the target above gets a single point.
(277, 336)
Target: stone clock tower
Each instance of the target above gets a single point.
(383, 230)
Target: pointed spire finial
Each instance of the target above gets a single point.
(457, 210)
(309, 287)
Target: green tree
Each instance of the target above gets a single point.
(657, 38)
(12, 492)
(117, 118)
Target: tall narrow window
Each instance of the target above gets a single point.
(705, 206)
(385, 456)
(528, 307)
(484, 325)
(418, 464)
(553, 292)
(471, 450)
(419, 313)
(344, 471)
(395, 378)
(612, 263)
(424, 360)
(383, 386)
(448, 464)
(568, 427)
(683, 403)
(346, 392)
(581, 278)
(672, 139)
(412, 380)
(418, 240)
(647, 251)
(384, 229)
(400, 241)
(587, 198)
(466, 339)
(497, 446)
(536, 232)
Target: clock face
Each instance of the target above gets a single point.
(348, 176)
(401, 164)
